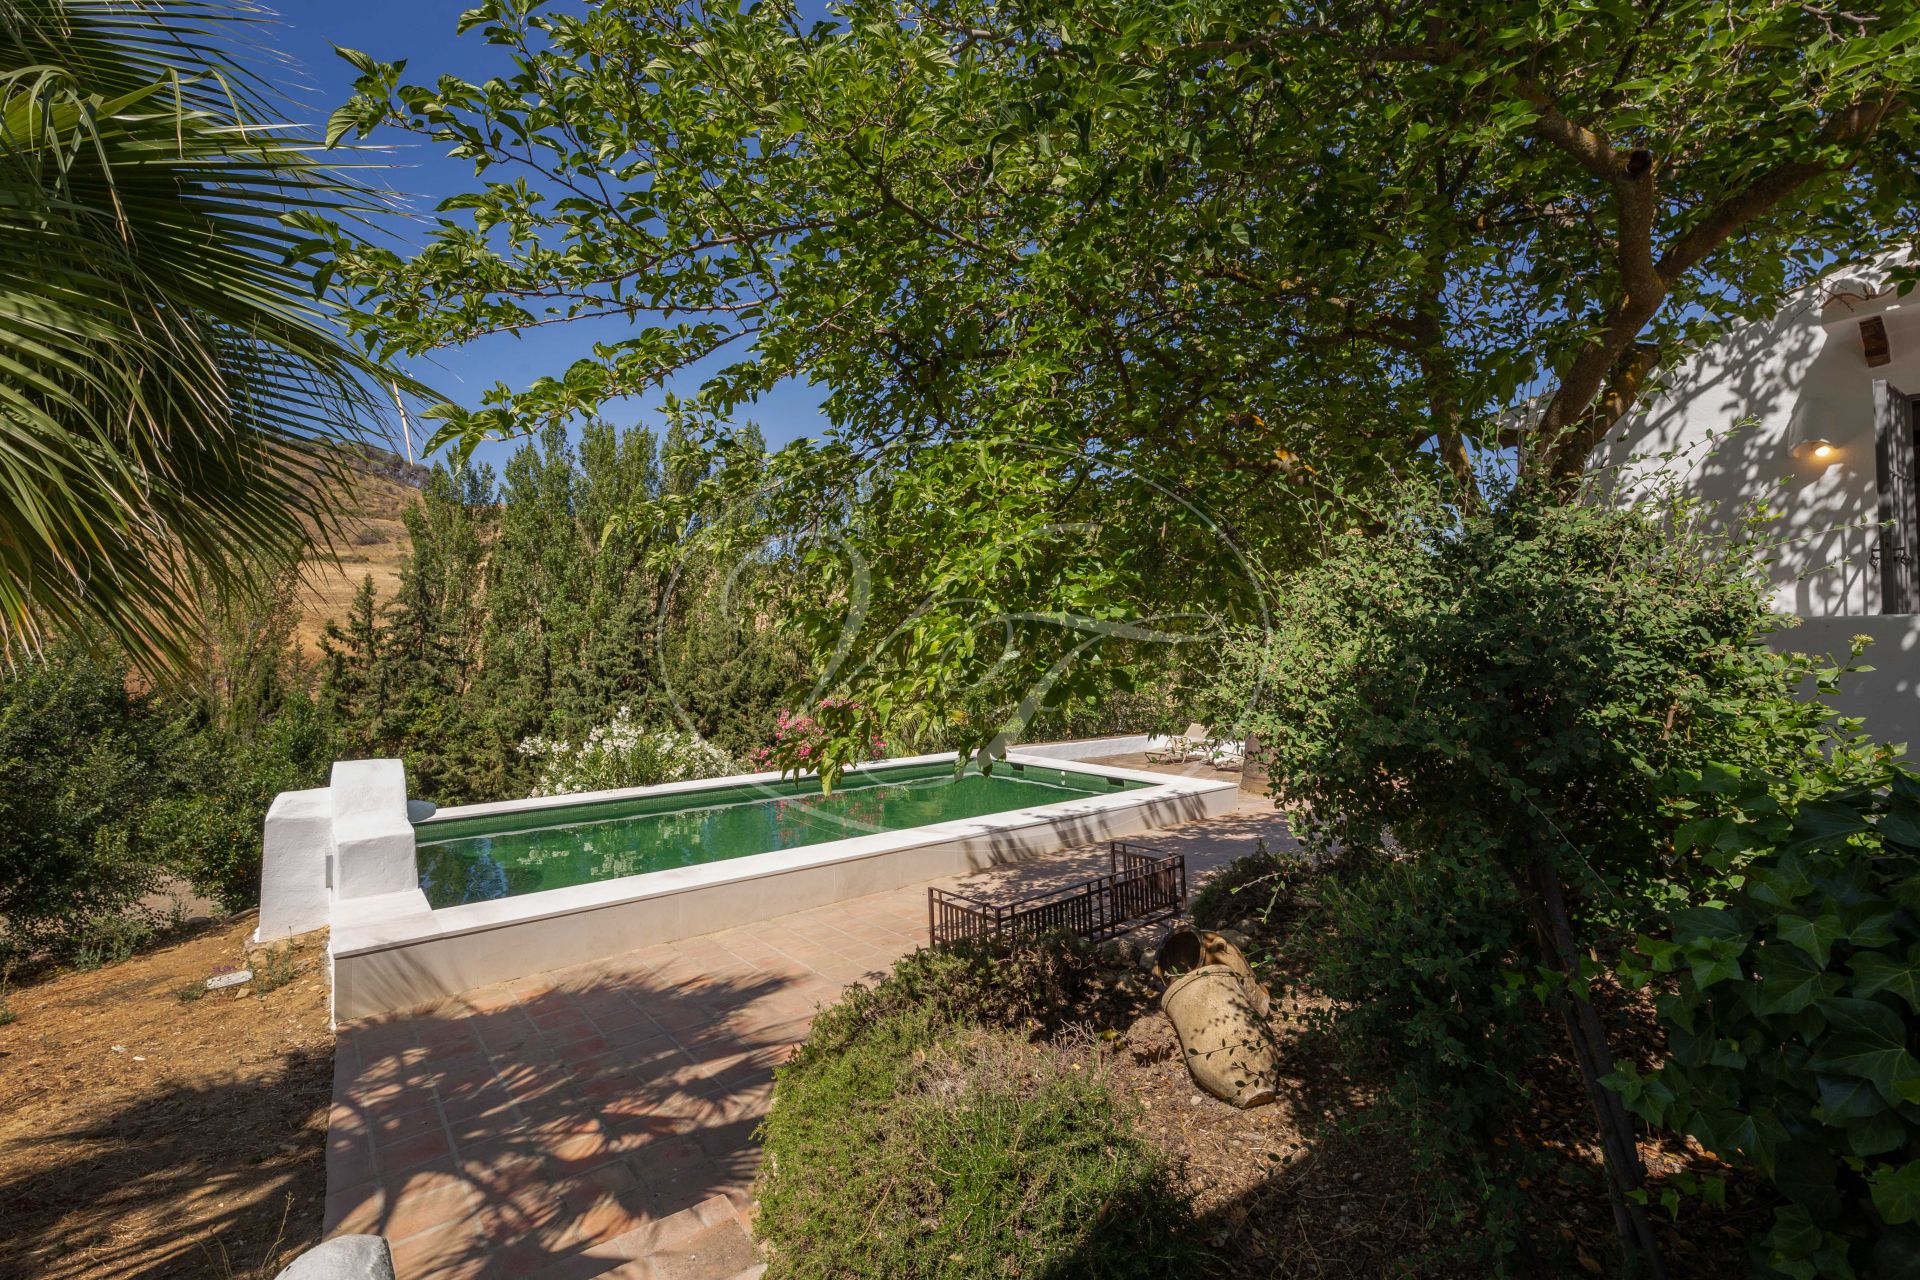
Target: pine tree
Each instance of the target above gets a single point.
(350, 692)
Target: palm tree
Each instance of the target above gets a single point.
(169, 382)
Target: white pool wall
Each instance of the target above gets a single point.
(390, 951)
(347, 841)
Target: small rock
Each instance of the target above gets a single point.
(343, 1258)
(1195, 1100)
(1237, 938)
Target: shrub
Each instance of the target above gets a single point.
(208, 824)
(1505, 694)
(111, 939)
(1260, 885)
(77, 754)
(957, 1147)
(107, 792)
(1427, 1007)
(621, 753)
(1423, 963)
(835, 735)
(1794, 1023)
(274, 969)
(1038, 985)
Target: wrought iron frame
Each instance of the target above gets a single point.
(1143, 885)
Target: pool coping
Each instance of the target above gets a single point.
(392, 951)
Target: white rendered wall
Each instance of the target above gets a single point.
(1886, 698)
(295, 890)
(350, 839)
(372, 838)
(1799, 373)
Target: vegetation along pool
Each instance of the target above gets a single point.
(501, 855)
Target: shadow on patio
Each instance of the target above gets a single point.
(556, 1127)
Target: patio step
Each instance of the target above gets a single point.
(715, 1253)
(710, 1241)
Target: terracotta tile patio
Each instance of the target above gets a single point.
(598, 1121)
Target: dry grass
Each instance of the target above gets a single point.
(374, 544)
(145, 1135)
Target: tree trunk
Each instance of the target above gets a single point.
(1588, 1036)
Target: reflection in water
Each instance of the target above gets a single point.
(502, 864)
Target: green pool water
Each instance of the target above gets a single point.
(501, 855)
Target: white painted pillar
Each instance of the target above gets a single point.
(373, 849)
(296, 850)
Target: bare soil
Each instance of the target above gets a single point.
(143, 1135)
(1309, 1186)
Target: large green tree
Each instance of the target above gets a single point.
(165, 368)
(1234, 256)
(542, 602)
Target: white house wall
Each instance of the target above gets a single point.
(1887, 698)
(1801, 373)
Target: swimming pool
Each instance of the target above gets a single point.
(478, 859)
(424, 905)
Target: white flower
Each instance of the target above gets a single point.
(623, 753)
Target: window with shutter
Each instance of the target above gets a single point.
(1893, 438)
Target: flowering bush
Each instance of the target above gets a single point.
(837, 733)
(621, 753)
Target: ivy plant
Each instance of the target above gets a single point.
(1793, 1021)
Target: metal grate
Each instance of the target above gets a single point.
(1144, 884)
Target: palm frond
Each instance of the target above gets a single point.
(169, 385)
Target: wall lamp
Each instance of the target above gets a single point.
(1810, 436)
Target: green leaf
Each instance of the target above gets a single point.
(1875, 972)
(1904, 783)
(1825, 822)
(362, 62)
(1807, 1175)
(1844, 1100)
(1868, 1041)
(1877, 1134)
(1901, 827)
(1896, 1192)
(1789, 981)
(343, 121)
(1815, 937)
(1711, 968)
(1707, 922)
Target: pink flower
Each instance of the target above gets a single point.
(805, 752)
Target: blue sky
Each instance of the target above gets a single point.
(421, 31)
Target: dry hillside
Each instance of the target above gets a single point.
(374, 542)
